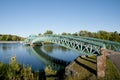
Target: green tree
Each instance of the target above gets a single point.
(9, 38)
(75, 34)
(4, 38)
(83, 33)
(39, 34)
(14, 38)
(64, 33)
(49, 32)
(22, 39)
(114, 36)
(103, 35)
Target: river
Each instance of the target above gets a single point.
(38, 57)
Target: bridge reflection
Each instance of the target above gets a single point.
(50, 48)
(47, 60)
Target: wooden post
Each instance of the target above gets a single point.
(101, 64)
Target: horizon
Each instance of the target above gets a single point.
(26, 17)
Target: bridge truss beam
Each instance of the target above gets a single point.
(82, 46)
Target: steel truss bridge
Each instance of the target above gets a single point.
(83, 45)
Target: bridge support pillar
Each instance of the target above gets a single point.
(101, 64)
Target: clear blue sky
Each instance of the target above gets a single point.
(25, 17)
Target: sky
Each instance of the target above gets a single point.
(26, 17)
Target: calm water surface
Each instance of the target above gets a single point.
(38, 57)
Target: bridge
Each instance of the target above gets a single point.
(83, 45)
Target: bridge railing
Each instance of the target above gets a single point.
(83, 46)
(109, 44)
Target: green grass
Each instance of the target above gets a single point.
(111, 71)
(86, 68)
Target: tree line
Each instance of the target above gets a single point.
(7, 37)
(112, 36)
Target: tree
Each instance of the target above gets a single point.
(49, 32)
(14, 38)
(75, 34)
(39, 34)
(83, 33)
(22, 39)
(64, 33)
(4, 38)
(114, 36)
(9, 38)
(103, 35)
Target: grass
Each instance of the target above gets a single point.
(111, 72)
(84, 68)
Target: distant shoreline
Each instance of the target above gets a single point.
(11, 41)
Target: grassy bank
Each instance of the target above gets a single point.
(111, 72)
(14, 71)
(84, 68)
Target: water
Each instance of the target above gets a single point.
(38, 57)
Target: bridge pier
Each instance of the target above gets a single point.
(101, 63)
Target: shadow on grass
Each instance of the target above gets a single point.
(92, 58)
(88, 60)
(86, 67)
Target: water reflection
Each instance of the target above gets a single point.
(60, 52)
(50, 47)
(55, 63)
(7, 47)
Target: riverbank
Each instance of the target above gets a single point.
(11, 41)
(84, 68)
(15, 71)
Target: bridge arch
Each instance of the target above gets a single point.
(83, 46)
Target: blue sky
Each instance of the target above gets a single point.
(25, 17)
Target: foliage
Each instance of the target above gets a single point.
(49, 32)
(39, 34)
(64, 33)
(10, 38)
(75, 34)
(112, 36)
(14, 71)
